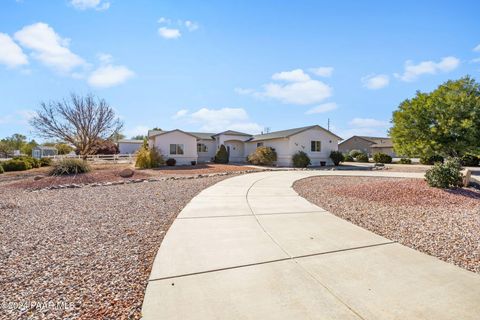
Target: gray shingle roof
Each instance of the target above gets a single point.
(286, 133)
(203, 135)
(232, 132)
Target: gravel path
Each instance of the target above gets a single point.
(441, 223)
(84, 253)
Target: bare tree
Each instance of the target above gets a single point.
(82, 121)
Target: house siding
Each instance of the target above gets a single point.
(302, 142)
(356, 143)
(211, 150)
(163, 141)
(129, 147)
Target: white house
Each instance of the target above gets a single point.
(185, 147)
(129, 146)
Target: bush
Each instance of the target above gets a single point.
(16, 165)
(445, 175)
(1, 169)
(382, 158)
(69, 166)
(405, 161)
(149, 158)
(171, 162)
(45, 162)
(354, 153)
(336, 157)
(300, 160)
(348, 158)
(362, 157)
(221, 156)
(263, 156)
(193, 163)
(156, 158)
(34, 163)
(431, 159)
(470, 160)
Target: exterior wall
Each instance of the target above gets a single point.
(355, 143)
(302, 142)
(386, 150)
(129, 147)
(163, 141)
(220, 139)
(280, 145)
(236, 150)
(211, 150)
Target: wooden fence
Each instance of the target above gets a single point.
(100, 158)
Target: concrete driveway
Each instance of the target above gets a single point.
(249, 247)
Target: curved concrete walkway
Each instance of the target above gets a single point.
(250, 247)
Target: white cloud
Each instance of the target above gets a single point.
(413, 71)
(296, 75)
(368, 122)
(48, 47)
(322, 71)
(169, 33)
(375, 81)
(191, 26)
(322, 108)
(306, 92)
(109, 75)
(98, 5)
(216, 120)
(164, 20)
(477, 48)
(11, 54)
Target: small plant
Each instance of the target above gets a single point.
(445, 175)
(354, 153)
(263, 156)
(347, 158)
(431, 159)
(149, 158)
(405, 161)
(336, 157)
(193, 163)
(362, 157)
(1, 169)
(69, 166)
(45, 162)
(34, 163)
(300, 160)
(156, 158)
(16, 165)
(221, 156)
(470, 160)
(382, 158)
(171, 162)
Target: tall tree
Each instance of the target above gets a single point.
(445, 121)
(82, 122)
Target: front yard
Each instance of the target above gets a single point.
(441, 223)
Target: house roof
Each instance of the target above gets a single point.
(130, 141)
(203, 135)
(232, 132)
(373, 140)
(386, 144)
(45, 148)
(287, 133)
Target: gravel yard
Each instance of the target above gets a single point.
(88, 251)
(441, 223)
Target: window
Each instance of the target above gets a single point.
(259, 144)
(201, 147)
(316, 146)
(176, 149)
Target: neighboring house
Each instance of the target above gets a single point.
(185, 147)
(369, 145)
(43, 151)
(128, 146)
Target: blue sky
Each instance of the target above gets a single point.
(242, 65)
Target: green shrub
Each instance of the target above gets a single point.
(171, 162)
(156, 158)
(470, 160)
(221, 156)
(263, 156)
(445, 175)
(382, 158)
(354, 153)
(431, 159)
(149, 158)
(336, 157)
(1, 169)
(45, 162)
(405, 161)
(362, 157)
(16, 165)
(69, 166)
(300, 160)
(348, 158)
(34, 163)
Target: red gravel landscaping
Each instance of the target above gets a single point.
(442, 223)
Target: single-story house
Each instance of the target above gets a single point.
(129, 146)
(185, 147)
(369, 145)
(39, 152)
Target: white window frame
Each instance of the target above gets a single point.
(318, 144)
(182, 149)
(202, 147)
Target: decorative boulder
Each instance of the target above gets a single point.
(37, 178)
(126, 173)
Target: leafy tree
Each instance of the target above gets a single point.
(15, 142)
(443, 122)
(222, 155)
(139, 137)
(82, 122)
(28, 147)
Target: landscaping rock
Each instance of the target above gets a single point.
(126, 173)
(36, 178)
